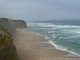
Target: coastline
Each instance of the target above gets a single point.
(73, 54)
(33, 46)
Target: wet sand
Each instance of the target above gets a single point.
(31, 46)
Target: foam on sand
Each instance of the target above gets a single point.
(64, 49)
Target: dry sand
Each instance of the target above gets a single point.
(31, 46)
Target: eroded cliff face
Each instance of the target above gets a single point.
(18, 23)
(7, 48)
(7, 32)
(7, 25)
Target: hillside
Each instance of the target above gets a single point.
(7, 33)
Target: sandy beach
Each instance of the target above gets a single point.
(31, 46)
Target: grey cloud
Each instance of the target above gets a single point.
(32, 9)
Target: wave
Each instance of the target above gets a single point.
(51, 25)
(60, 34)
(39, 24)
(63, 49)
(77, 32)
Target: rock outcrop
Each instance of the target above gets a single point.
(7, 48)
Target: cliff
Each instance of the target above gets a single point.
(18, 23)
(7, 48)
(7, 25)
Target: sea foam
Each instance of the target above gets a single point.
(63, 49)
(59, 33)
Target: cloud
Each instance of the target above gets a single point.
(38, 9)
(70, 1)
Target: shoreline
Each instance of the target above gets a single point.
(64, 49)
(32, 46)
(71, 53)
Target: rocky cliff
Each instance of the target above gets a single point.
(7, 48)
(18, 23)
(7, 25)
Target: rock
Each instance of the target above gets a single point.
(7, 48)
(4, 22)
(18, 23)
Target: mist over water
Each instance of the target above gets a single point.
(63, 37)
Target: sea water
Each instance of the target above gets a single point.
(63, 37)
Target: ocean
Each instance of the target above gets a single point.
(64, 37)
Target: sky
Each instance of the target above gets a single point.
(40, 9)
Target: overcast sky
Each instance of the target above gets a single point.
(40, 9)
